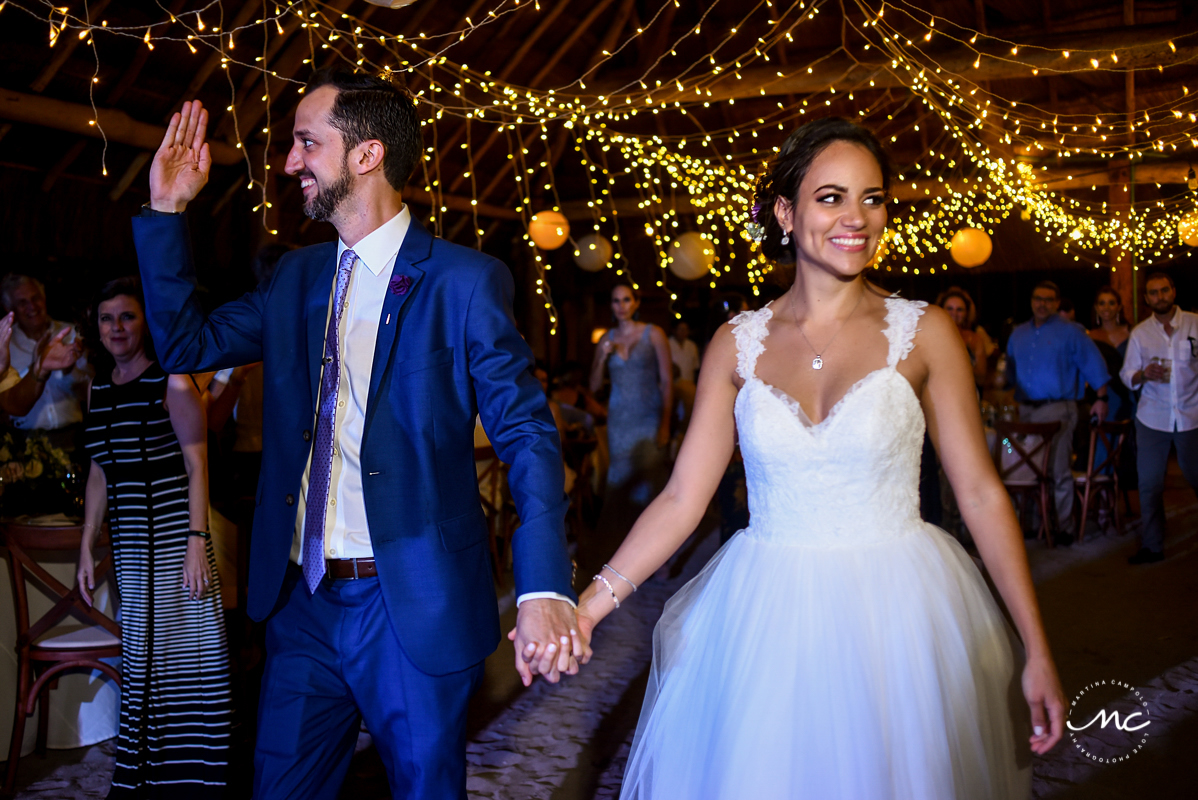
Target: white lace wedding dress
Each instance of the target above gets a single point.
(839, 648)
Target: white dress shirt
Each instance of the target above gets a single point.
(346, 533)
(58, 405)
(1171, 406)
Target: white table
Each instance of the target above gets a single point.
(85, 707)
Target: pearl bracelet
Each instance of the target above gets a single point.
(607, 583)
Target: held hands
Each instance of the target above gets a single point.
(547, 640)
(195, 568)
(1042, 690)
(181, 165)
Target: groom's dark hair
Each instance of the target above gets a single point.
(369, 107)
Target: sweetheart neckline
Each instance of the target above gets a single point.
(789, 399)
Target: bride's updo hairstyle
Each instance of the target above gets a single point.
(785, 173)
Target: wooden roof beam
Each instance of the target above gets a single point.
(213, 60)
(77, 118)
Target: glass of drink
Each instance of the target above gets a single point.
(1167, 365)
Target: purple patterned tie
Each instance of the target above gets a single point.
(322, 444)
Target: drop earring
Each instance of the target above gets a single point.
(786, 238)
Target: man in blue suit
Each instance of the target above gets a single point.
(369, 558)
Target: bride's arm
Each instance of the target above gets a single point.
(950, 405)
(677, 511)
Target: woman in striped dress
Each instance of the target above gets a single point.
(145, 434)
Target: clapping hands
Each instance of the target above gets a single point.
(54, 352)
(5, 338)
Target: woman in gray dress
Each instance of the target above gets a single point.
(636, 357)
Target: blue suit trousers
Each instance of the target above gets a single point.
(332, 659)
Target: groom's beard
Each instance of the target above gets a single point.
(325, 202)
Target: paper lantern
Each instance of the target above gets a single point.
(1187, 229)
(970, 247)
(549, 229)
(592, 252)
(691, 256)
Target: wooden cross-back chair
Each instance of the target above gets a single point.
(1100, 481)
(1022, 451)
(45, 648)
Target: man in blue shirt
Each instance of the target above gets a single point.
(1050, 360)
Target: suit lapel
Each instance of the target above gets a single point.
(417, 246)
(316, 312)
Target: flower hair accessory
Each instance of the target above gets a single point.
(753, 228)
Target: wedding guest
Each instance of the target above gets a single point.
(959, 305)
(1066, 310)
(1162, 363)
(1111, 333)
(1049, 361)
(1109, 324)
(145, 434)
(9, 377)
(684, 354)
(637, 358)
(52, 382)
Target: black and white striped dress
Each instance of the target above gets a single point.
(175, 695)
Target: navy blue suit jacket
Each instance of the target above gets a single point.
(449, 350)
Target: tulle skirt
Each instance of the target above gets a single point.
(876, 672)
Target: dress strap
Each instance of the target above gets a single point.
(750, 329)
(902, 323)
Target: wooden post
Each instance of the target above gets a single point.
(1123, 198)
(1122, 268)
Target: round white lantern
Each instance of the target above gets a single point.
(592, 252)
(691, 256)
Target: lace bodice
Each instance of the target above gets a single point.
(852, 479)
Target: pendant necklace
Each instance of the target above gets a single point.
(818, 361)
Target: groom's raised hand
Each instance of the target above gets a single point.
(181, 165)
(545, 638)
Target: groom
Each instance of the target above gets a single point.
(369, 557)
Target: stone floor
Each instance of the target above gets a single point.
(1105, 620)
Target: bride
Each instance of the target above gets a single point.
(838, 647)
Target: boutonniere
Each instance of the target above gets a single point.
(400, 284)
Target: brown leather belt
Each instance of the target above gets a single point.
(341, 569)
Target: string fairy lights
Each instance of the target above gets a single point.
(983, 156)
